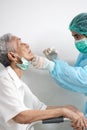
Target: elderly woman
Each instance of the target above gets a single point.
(73, 78)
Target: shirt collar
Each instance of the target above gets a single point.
(14, 76)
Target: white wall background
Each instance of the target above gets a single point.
(44, 23)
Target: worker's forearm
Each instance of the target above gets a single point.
(30, 116)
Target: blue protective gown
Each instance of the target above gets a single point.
(73, 78)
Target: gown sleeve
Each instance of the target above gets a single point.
(73, 78)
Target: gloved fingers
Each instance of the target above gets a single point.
(39, 62)
(46, 52)
(51, 53)
(35, 60)
(50, 50)
(54, 50)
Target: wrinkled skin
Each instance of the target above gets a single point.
(79, 122)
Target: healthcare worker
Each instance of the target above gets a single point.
(73, 78)
(18, 105)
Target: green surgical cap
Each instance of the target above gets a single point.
(79, 24)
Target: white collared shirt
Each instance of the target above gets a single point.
(15, 97)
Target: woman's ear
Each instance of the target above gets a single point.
(12, 56)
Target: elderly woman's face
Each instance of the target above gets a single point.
(21, 48)
(77, 36)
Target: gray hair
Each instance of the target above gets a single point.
(5, 48)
